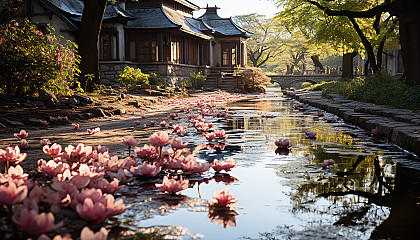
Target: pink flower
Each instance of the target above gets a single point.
(45, 141)
(15, 24)
(152, 123)
(75, 126)
(130, 141)
(137, 122)
(51, 168)
(88, 234)
(99, 211)
(223, 199)
(226, 165)
(93, 130)
(331, 120)
(282, 143)
(160, 139)
(105, 186)
(177, 143)
(23, 144)
(10, 194)
(22, 134)
(162, 124)
(327, 163)
(80, 153)
(150, 169)
(12, 155)
(17, 173)
(310, 134)
(171, 185)
(54, 151)
(196, 167)
(210, 136)
(220, 134)
(33, 223)
(43, 122)
(145, 152)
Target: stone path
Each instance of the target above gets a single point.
(399, 126)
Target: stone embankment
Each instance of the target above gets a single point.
(399, 126)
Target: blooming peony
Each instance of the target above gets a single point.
(172, 185)
(33, 223)
(282, 143)
(12, 155)
(160, 139)
(10, 194)
(223, 198)
(54, 151)
(22, 134)
(130, 141)
(88, 234)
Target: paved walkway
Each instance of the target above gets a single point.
(399, 126)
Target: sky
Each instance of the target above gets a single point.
(229, 8)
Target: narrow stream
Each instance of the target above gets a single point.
(370, 192)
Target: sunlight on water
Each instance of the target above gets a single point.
(283, 196)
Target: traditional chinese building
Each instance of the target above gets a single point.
(160, 36)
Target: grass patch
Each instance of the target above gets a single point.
(380, 89)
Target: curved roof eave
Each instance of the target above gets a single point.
(59, 13)
(249, 34)
(166, 15)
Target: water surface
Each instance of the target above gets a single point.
(286, 195)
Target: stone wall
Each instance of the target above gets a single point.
(173, 72)
(295, 81)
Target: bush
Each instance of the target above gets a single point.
(30, 60)
(131, 77)
(253, 79)
(195, 81)
(380, 89)
(155, 79)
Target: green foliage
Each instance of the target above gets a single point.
(380, 89)
(131, 77)
(195, 81)
(155, 79)
(31, 60)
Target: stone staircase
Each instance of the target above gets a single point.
(222, 78)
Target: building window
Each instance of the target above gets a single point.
(108, 45)
(142, 47)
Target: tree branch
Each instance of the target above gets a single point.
(385, 7)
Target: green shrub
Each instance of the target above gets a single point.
(195, 81)
(155, 79)
(380, 89)
(131, 77)
(30, 60)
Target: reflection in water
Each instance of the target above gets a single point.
(286, 194)
(223, 217)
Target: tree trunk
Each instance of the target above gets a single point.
(347, 65)
(410, 39)
(88, 41)
(366, 44)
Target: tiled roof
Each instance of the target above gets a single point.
(151, 18)
(188, 24)
(73, 9)
(223, 26)
(188, 4)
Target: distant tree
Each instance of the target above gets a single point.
(382, 13)
(265, 43)
(342, 33)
